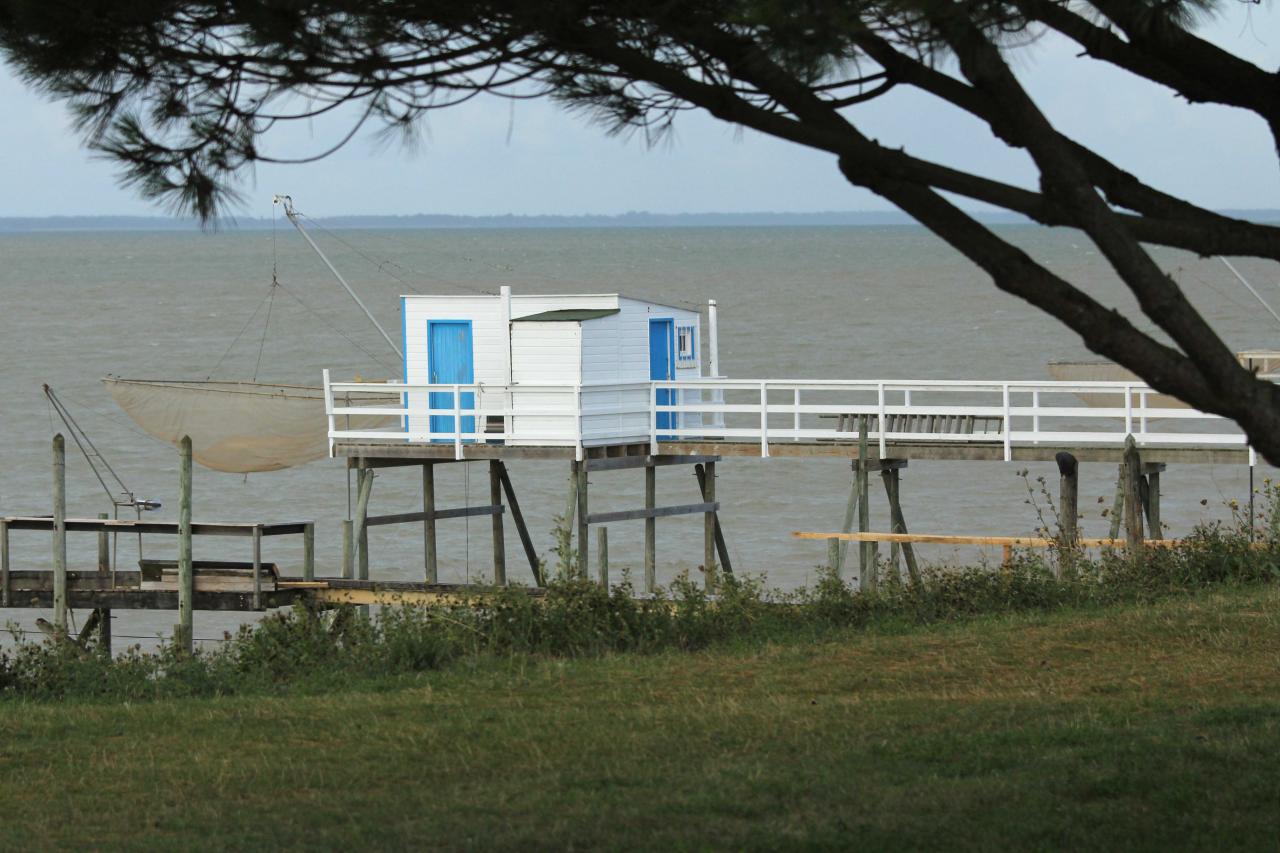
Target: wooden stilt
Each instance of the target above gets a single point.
(93, 623)
(186, 575)
(60, 535)
(889, 477)
(309, 552)
(1068, 498)
(602, 555)
(893, 487)
(866, 558)
(1152, 505)
(1133, 498)
(6, 585)
(1117, 505)
(348, 549)
(709, 528)
(430, 568)
(530, 552)
(571, 502)
(257, 567)
(1068, 510)
(104, 570)
(495, 520)
(584, 545)
(360, 534)
(650, 530)
(726, 565)
(850, 510)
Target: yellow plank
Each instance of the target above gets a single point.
(385, 597)
(948, 539)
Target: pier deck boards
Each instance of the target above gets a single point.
(399, 452)
(91, 590)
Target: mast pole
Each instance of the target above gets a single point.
(292, 216)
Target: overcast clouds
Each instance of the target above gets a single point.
(485, 158)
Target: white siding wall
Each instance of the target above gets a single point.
(545, 353)
(486, 344)
(616, 349)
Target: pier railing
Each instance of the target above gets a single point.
(765, 412)
(578, 415)
(1009, 414)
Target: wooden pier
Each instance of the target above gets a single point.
(872, 437)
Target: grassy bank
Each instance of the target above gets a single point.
(1141, 725)
(304, 651)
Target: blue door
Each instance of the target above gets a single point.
(450, 361)
(662, 360)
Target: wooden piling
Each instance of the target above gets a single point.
(1152, 505)
(430, 568)
(1068, 498)
(526, 541)
(257, 567)
(360, 530)
(309, 551)
(866, 557)
(499, 539)
(1117, 504)
(897, 521)
(348, 550)
(1133, 498)
(571, 503)
(60, 536)
(722, 548)
(602, 555)
(709, 528)
(184, 636)
(584, 555)
(650, 530)
(6, 586)
(104, 570)
(850, 512)
(889, 478)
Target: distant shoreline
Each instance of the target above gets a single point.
(61, 224)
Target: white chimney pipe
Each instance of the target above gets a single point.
(713, 338)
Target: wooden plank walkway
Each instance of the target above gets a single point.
(381, 454)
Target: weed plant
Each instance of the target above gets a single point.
(305, 649)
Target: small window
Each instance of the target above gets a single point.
(686, 347)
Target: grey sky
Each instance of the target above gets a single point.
(489, 157)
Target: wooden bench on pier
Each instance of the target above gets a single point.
(944, 424)
(209, 575)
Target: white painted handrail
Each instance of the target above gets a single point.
(1005, 415)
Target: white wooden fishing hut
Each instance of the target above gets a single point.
(569, 370)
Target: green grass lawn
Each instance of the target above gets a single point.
(1147, 727)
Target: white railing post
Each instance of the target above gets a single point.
(764, 419)
(578, 452)
(653, 419)
(1008, 418)
(1142, 412)
(880, 420)
(1035, 416)
(795, 418)
(328, 409)
(1128, 410)
(457, 422)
